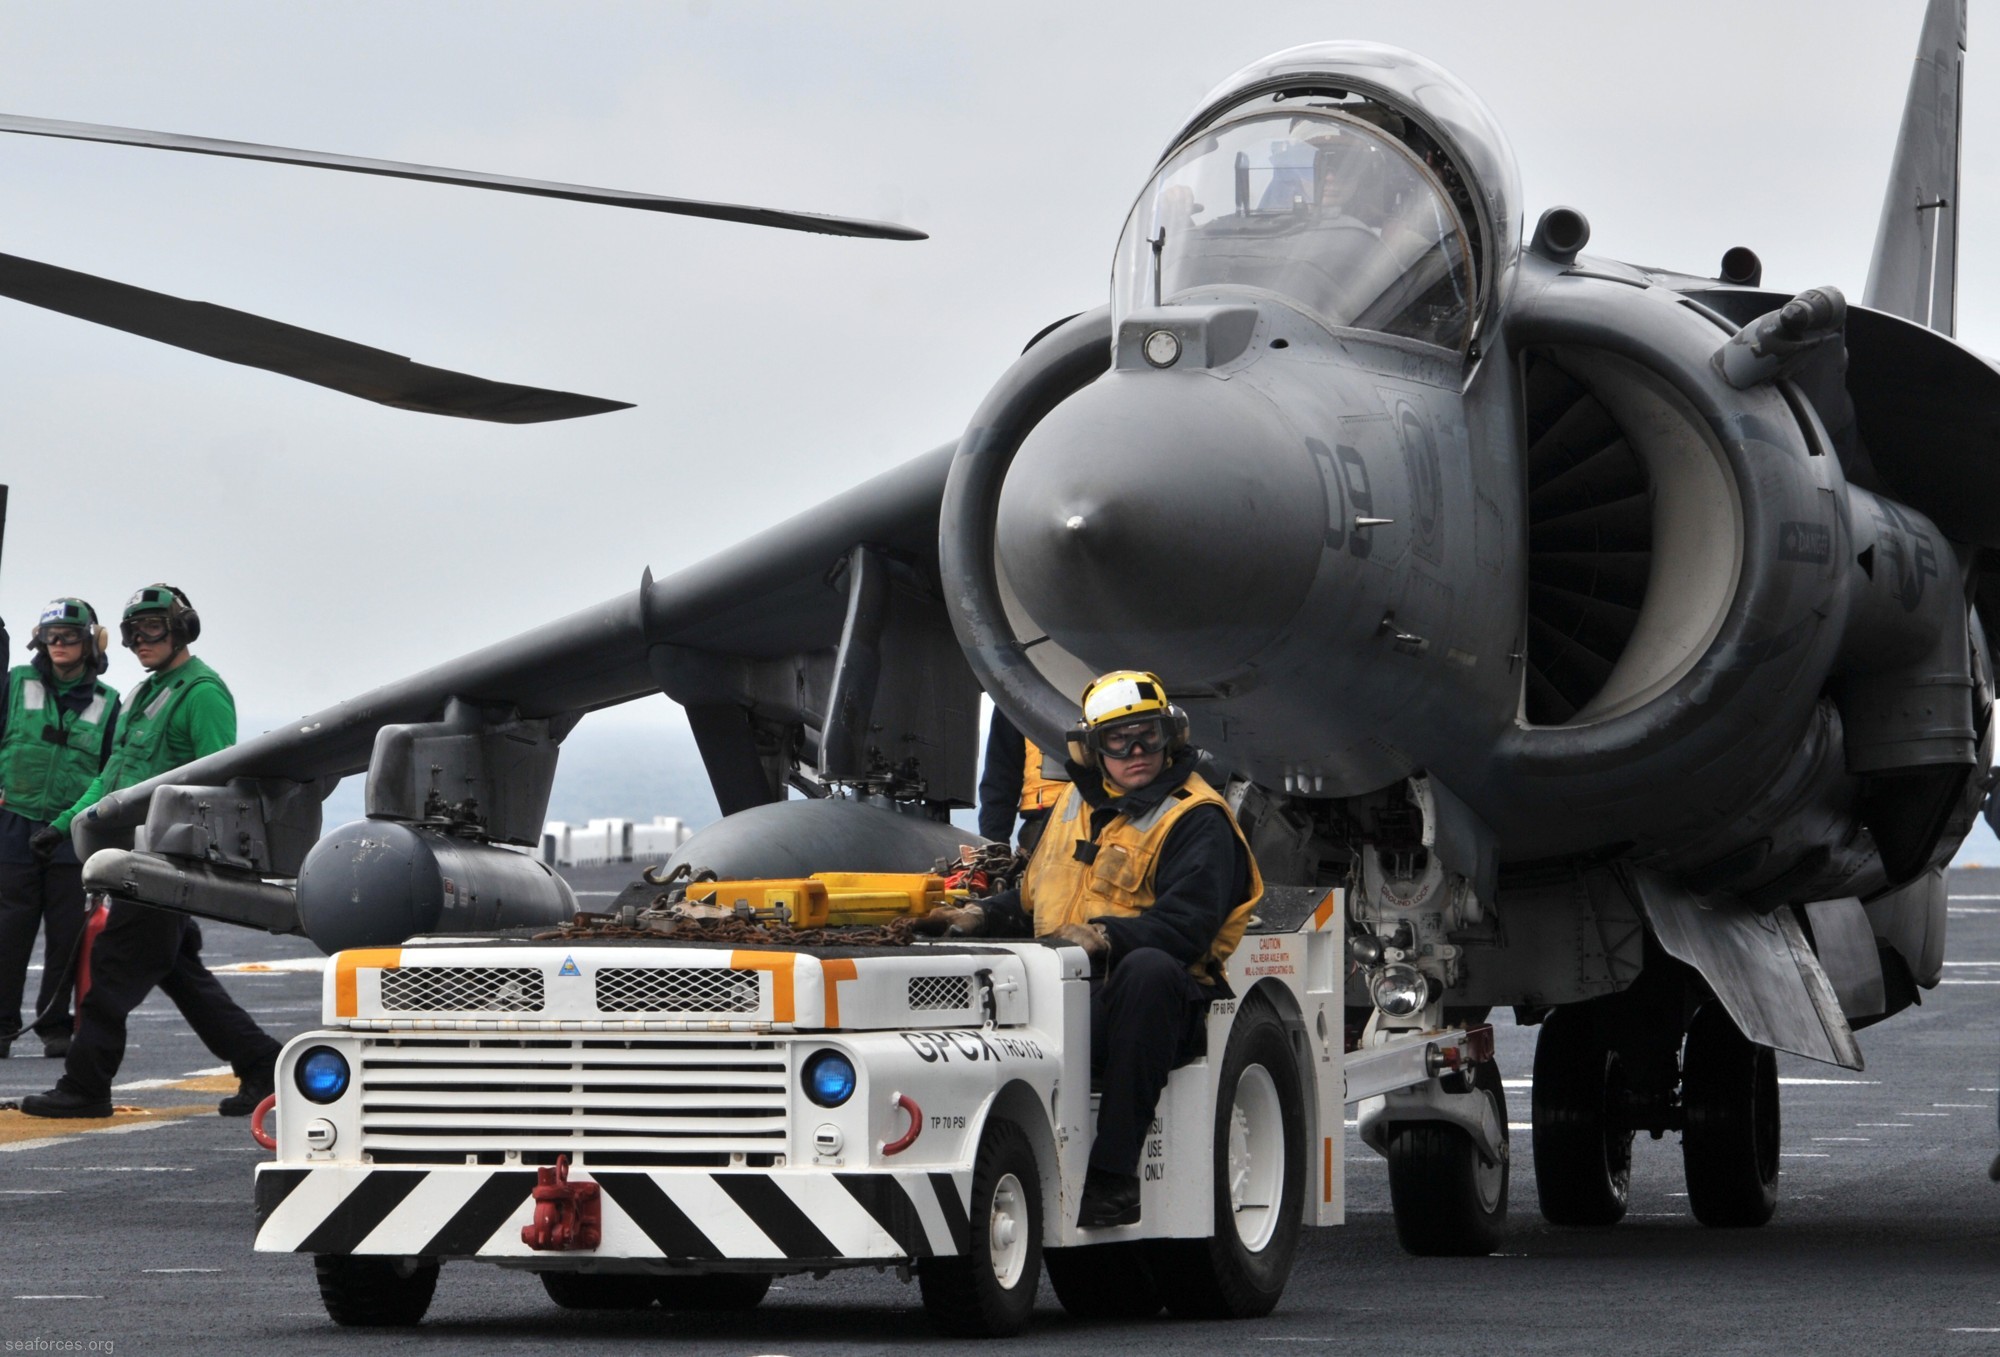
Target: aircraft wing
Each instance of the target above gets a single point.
(819, 648)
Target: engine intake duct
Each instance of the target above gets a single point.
(1590, 542)
(1626, 488)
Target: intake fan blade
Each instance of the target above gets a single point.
(239, 337)
(433, 174)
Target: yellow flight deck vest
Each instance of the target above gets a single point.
(1060, 889)
(1039, 791)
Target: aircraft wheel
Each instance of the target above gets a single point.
(1449, 1199)
(1729, 1148)
(1104, 1281)
(989, 1291)
(1239, 1272)
(712, 1291)
(1583, 1152)
(598, 1290)
(365, 1292)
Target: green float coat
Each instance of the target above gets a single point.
(170, 719)
(51, 755)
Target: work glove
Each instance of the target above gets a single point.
(1092, 938)
(44, 843)
(953, 921)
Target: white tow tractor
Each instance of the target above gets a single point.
(642, 1120)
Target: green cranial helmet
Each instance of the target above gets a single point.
(184, 622)
(67, 612)
(73, 612)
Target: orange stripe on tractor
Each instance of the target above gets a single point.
(1324, 912)
(832, 972)
(346, 988)
(779, 964)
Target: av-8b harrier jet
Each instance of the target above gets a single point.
(1611, 633)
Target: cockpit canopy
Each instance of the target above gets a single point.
(1357, 183)
(1316, 209)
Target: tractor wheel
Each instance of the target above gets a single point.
(365, 1292)
(989, 1291)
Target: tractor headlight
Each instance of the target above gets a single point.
(828, 1077)
(321, 1074)
(1399, 990)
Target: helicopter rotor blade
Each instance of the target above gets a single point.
(432, 174)
(309, 356)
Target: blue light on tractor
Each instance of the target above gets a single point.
(321, 1074)
(829, 1078)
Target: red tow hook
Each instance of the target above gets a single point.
(916, 1127)
(567, 1215)
(257, 1131)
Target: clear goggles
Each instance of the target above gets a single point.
(1132, 739)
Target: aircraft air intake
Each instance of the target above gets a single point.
(1590, 542)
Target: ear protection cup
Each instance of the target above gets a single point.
(1077, 741)
(185, 620)
(1177, 730)
(100, 641)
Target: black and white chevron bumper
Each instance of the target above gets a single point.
(685, 1216)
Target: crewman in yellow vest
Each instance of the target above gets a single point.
(1018, 780)
(1143, 866)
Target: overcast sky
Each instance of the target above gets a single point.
(332, 544)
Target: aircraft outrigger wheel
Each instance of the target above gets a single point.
(1729, 1144)
(1449, 1198)
(1583, 1145)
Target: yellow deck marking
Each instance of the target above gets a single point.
(346, 988)
(17, 1126)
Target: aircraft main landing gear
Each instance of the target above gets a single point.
(1729, 1145)
(1583, 1146)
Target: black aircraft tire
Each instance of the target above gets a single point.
(981, 1294)
(598, 1290)
(1583, 1156)
(1227, 1276)
(363, 1292)
(1448, 1201)
(1104, 1281)
(713, 1291)
(1729, 1147)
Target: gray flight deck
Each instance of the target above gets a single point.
(1886, 1239)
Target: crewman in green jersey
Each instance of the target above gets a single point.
(182, 712)
(58, 718)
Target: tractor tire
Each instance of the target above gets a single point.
(366, 1292)
(1239, 1272)
(989, 1291)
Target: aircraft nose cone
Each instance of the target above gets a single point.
(1169, 522)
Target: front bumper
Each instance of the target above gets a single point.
(781, 1219)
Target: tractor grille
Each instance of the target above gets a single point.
(676, 989)
(601, 1101)
(455, 989)
(935, 993)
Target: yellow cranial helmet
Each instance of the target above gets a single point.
(1125, 697)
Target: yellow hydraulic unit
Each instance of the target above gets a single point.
(829, 899)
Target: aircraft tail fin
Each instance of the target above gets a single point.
(1914, 273)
